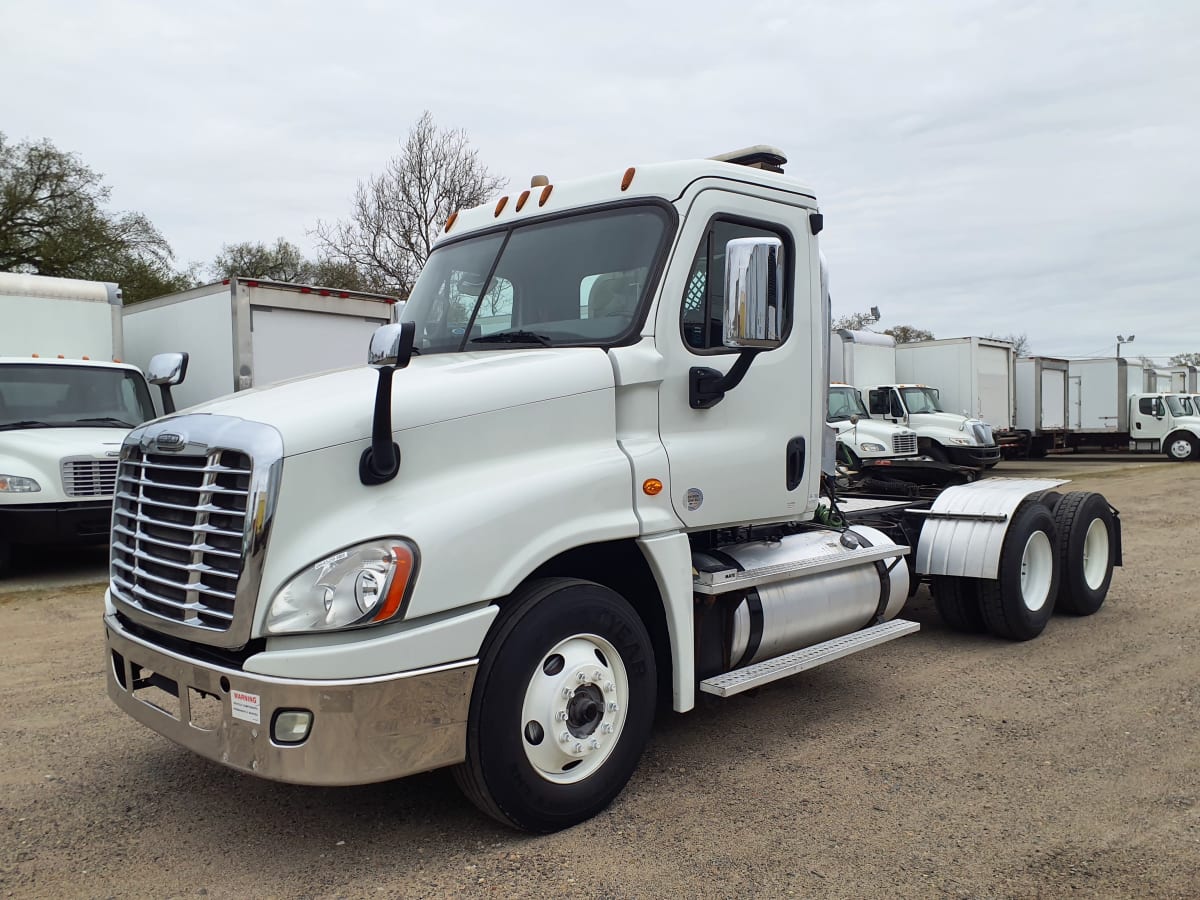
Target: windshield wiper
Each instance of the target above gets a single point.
(26, 423)
(513, 337)
(105, 420)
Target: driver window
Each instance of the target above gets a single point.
(880, 402)
(702, 318)
(897, 406)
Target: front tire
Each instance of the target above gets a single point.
(1018, 604)
(562, 706)
(1181, 447)
(1087, 550)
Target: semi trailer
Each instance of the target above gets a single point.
(502, 550)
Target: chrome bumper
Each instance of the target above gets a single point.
(363, 731)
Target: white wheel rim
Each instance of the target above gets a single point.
(579, 706)
(1037, 570)
(1095, 554)
(1181, 449)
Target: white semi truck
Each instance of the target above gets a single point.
(869, 362)
(549, 527)
(66, 403)
(1108, 409)
(249, 332)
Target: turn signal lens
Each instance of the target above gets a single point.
(652, 486)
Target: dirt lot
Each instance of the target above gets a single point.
(935, 765)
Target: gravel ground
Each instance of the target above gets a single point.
(935, 765)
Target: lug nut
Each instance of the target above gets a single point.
(561, 715)
(567, 693)
(581, 678)
(578, 748)
(565, 737)
(609, 688)
(596, 675)
(595, 744)
(608, 729)
(612, 707)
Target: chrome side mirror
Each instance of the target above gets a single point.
(388, 346)
(391, 348)
(754, 292)
(166, 369)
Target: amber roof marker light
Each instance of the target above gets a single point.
(628, 179)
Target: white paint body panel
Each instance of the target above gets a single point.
(970, 548)
(1041, 391)
(37, 453)
(1099, 392)
(49, 316)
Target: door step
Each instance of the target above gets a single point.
(769, 670)
(726, 580)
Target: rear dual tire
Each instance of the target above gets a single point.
(1087, 551)
(1019, 603)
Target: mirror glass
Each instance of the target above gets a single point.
(754, 287)
(166, 368)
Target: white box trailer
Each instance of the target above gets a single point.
(66, 404)
(247, 332)
(974, 375)
(1040, 384)
(1098, 395)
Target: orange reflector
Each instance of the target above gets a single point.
(60, 356)
(450, 221)
(628, 179)
(545, 194)
(521, 200)
(35, 356)
(500, 204)
(116, 360)
(395, 594)
(651, 486)
(87, 357)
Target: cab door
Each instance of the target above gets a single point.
(1149, 419)
(754, 455)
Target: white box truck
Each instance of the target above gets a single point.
(869, 362)
(66, 403)
(1041, 391)
(1108, 409)
(247, 332)
(974, 377)
(507, 562)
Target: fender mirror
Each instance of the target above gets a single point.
(391, 348)
(165, 370)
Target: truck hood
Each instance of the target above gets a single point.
(336, 407)
(37, 453)
(950, 425)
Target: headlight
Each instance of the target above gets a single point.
(966, 442)
(361, 585)
(18, 484)
(872, 447)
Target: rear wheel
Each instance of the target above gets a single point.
(957, 601)
(1087, 551)
(1180, 447)
(1018, 604)
(562, 707)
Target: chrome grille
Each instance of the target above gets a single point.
(983, 433)
(904, 443)
(84, 476)
(179, 523)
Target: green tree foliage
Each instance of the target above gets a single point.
(906, 334)
(284, 261)
(53, 221)
(397, 215)
(861, 321)
(1186, 359)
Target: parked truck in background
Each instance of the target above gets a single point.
(66, 403)
(505, 563)
(974, 377)
(1108, 409)
(248, 332)
(868, 361)
(1041, 390)
(860, 437)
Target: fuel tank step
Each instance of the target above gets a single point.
(726, 580)
(769, 670)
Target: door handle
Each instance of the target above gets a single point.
(795, 462)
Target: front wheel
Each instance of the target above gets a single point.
(1181, 447)
(562, 706)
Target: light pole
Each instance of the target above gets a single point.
(1123, 340)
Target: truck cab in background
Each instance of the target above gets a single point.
(1166, 423)
(861, 437)
(942, 435)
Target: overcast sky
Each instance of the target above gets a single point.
(984, 167)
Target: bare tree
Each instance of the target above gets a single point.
(907, 334)
(398, 214)
(1185, 359)
(1020, 342)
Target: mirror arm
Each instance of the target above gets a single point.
(168, 402)
(380, 462)
(707, 387)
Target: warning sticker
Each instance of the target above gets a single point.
(245, 706)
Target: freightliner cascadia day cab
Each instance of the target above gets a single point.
(868, 361)
(249, 332)
(66, 404)
(597, 486)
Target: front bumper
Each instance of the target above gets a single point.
(55, 523)
(973, 456)
(364, 730)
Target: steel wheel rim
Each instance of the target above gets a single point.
(1181, 449)
(575, 675)
(1095, 554)
(1037, 571)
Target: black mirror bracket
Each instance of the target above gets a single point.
(380, 462)
(708, 387)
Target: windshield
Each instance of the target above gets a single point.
(570, 281)
(44, 396)
(845, 402)
(1180, 406)
(921, 400)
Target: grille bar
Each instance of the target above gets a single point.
(197, 608)
(201, 568)
(168, 486)
(205, 529)
(203, 508)
(88, 477)
(187, 588)
(220, 469)
(141, 536)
